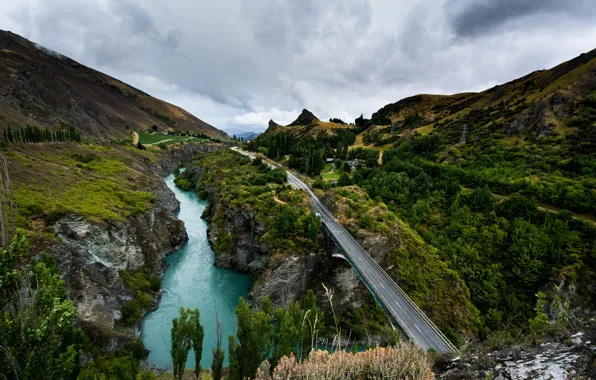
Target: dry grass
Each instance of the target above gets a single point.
(405, 361)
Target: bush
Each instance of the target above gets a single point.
(131, 312)
(155, 283)
(285, 222)
(138, 350)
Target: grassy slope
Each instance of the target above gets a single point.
(55, 91)
(99, 182)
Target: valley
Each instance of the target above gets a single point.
(453, 236)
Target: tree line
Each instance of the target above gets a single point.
(35, 134)
(306, 154)
(262, 334)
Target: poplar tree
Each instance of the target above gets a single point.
(252, 344)
(181, 343)
(197, 333)
(218, 353)
(286, 335)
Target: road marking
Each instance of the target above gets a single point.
(415, 325)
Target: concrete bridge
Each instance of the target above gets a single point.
(401, 310)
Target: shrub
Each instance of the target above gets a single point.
(131, 312)
(155, 283)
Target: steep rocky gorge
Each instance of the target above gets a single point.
(241, 241)
(93, 255)
(284, 274)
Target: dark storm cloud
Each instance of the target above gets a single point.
(474, 17)
(243, 62)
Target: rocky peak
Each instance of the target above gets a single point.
(273, 124)
(305, 118)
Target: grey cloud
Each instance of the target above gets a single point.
(228, 59)
(475, 17)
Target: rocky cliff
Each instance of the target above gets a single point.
(92, 256)
(181, 155)
(282, 277)
(245, 239)
(97, 258)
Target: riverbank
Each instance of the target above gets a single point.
(191, 280)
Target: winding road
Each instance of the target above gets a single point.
(398, 306)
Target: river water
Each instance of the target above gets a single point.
(191, 280)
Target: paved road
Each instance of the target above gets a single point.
(401, 309)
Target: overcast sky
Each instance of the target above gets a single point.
(238, 63)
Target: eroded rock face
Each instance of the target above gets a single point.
(285, 281)
(533, 120)
(248, 254)
(111, 245)
(91, 255)
(550, 360)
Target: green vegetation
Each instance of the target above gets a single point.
(491, 232)
(144, 286)
(94, 181)
(35, 134)
(268, 334)
(241, 183)
(306, 155)
(37, 333)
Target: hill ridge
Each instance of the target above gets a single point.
(39, 86)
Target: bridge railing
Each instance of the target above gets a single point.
(372, 261)
(369, 284)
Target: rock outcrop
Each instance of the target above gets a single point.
(182, 155)
(553, 359)
(305, 118)
(283, 278)
(91, 255)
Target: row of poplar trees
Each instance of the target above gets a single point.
(268, 334)
(35, 134)
(264, 334)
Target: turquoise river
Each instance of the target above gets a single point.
(191, 280)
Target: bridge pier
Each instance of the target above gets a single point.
(331, 247)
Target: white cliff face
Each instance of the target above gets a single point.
(113, 246)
